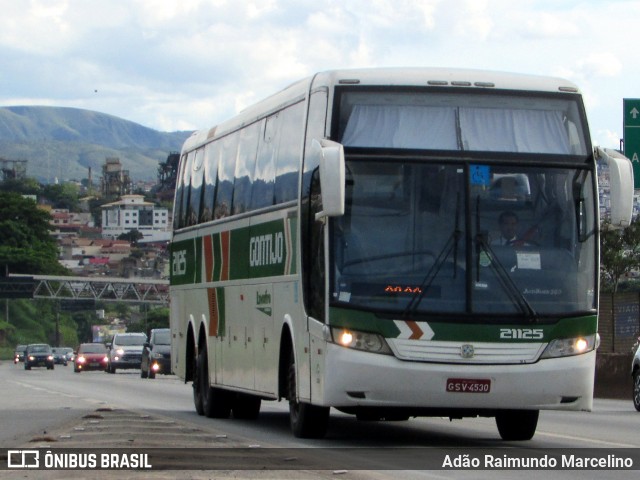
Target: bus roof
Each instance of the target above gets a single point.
(407, 77)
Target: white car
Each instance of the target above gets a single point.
(125, 351)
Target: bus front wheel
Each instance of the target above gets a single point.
(307, 421)
(517, 424)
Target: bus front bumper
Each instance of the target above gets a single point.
(359, 379)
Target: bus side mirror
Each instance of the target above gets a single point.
(332, 177)
(621, 183)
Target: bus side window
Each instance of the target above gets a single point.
(195, 194)
(245, 167)
(211, 158)
(177, 204)
(315, 287)
(226, 173)
(265, 174)
(186, 190)
(289, 152)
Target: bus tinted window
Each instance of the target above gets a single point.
(177, 206)
(211, 159)
(196, 188)
(288, 162)
(245, 167)
(226, 174)
(186, 182)
(262, 194)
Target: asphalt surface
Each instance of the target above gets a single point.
(115, 430)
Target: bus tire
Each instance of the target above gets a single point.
(246, 407)
(197, 386)
(517, 425)
(215, 402)
(307, 421)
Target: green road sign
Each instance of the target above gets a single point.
(631, 108)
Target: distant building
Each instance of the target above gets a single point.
(131, 212)
(115, 180)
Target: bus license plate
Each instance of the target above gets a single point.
(469, 385)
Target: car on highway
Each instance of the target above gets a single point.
(125, 351)
(70, 355)
(635, 374)
(18, 353)
(156, 355)
(91, 356)
(38, 355)
(60, 355)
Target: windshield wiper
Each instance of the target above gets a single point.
(450, 246)
(515, 295)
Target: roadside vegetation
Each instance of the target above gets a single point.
(26, 247)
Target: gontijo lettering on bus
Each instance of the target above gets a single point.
(266, 249)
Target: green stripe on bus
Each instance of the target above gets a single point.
(564, 328)
(258, 251)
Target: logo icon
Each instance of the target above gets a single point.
(467, 351)
(23, 459)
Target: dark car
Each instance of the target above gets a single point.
(156, 355)
(60, 355)
(125, 351)
(91, 356)
(18, 353)
(38, 355)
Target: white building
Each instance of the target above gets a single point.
(131, 212)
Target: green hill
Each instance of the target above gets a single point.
(64, 143)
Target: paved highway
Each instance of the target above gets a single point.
(41, 407)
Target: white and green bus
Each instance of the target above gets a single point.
(339, 245)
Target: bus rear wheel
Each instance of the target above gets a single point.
(197, 386)
(214, 401)
(517, 425)
(307, 421)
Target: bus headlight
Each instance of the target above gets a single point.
(564, 347)
(365, 341)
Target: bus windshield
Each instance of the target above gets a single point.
(465, 239)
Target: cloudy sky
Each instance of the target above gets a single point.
(189, 64)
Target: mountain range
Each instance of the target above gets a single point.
(63, 143)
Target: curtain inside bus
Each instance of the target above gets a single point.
(436, 128)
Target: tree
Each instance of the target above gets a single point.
(63, 195)
(619, 253)
(25, 243)
(24, 186)
(132, 236)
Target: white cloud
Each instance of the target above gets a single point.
(550, 25)
(602, 64)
